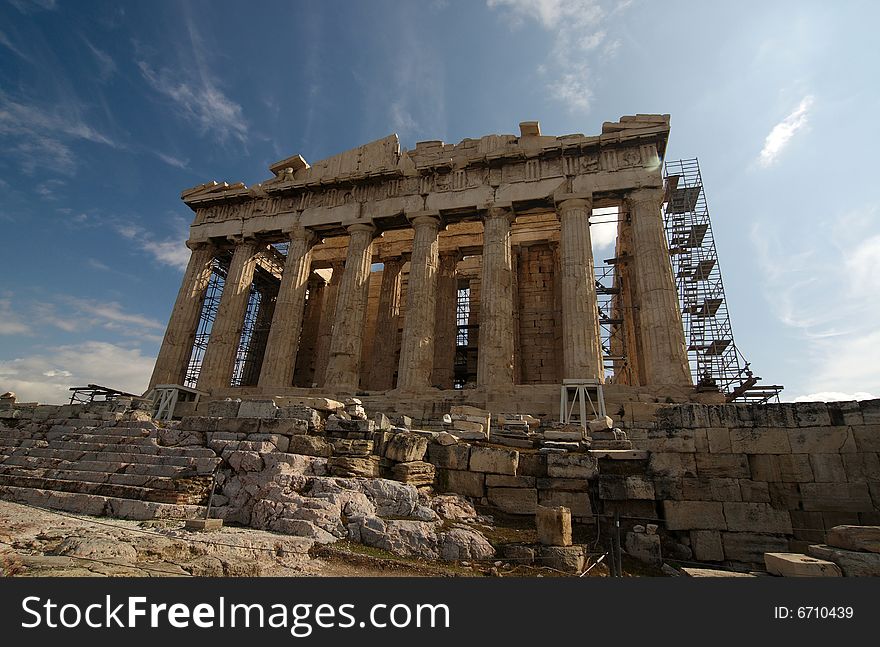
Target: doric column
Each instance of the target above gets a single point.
(219, 360)
(176, 350)
(417, 345)
(664, 354)
(343, 365)
(495, 352)
(284, 334)
(581, 345)
(304, 373)
(445, 326)
(385, 338)
(328, 320)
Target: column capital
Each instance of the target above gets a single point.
(198, 244)
(499, 210)
(424, 218)
(392, 260)
(298, 232)
(581, 201)
(361, 226)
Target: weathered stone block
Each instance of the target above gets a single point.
(868, 437)
(672, 465)
(309, 446)
(837, 497)
(625, 487)
(706, 545)
(406, 447)
(734, 466)
(461, 482)
(719, 440)
(852, 563)
(505, 480)
(708, 489)
(568, 485)
(828, 468)
(568, 559)
(765, 468)
(569, 436)
(862, 468)
(754, 491)
(645, 548)
(415, 473)
(812, 414)
(785, 496)
(756, 517)
(795, 468)
(223, 408)
(454, 457)
(239, 425)
(554, 525)
(578, 502)
(284, 426)
(577, 466)
(343, 447)
(795, 565)
(694, 515)
(513, 500)
(861, 538)
(257, 409)
(495, 461)
(750, 547)
(817, 440)
(670, 440)
(759, 440)
(350, 466)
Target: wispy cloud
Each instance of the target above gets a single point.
(822, 282)
(170, 251)
(46, 376)
(580, 33)
(8, 44)
(106, 64)
(835, 396)
(11, 322)
(39, 137)
(172, 161)
(781, 134)
(31, 6)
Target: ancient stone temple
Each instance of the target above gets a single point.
(448, 267)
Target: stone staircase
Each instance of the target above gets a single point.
(98, 469)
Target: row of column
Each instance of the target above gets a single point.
(346, 296)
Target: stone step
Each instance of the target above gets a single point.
(156, 450)
(180, 484)
(200, 464)
(46, 462)
(119, 432)
(104, 439)
(797, 565)
(100, 506)
(103, 489)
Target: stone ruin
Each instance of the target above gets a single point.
(456, 349)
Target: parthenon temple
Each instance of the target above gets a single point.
(451, 267)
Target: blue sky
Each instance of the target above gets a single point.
(109, 110)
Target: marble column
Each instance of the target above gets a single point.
(219, 360)
(664, 353)
(496, 347)
(384, 341)
(343, 365)
(328, 319)
(446, 324)
(417, 345)
(176, 350)
(581, 343)
(304, 373)
(282, 346)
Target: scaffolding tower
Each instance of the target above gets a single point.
(715, 361)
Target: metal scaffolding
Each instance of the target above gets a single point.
(715, 361)
(206, 320)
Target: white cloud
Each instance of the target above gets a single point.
(579, 29)
(47, 376)
(603, 230)
(8, 44)
(30, 6)
(199, 100)
(172, 161)
(834, 396)
(822, 282)
(170, 251)
(106, 64)
(11, 322)
(782, 132)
